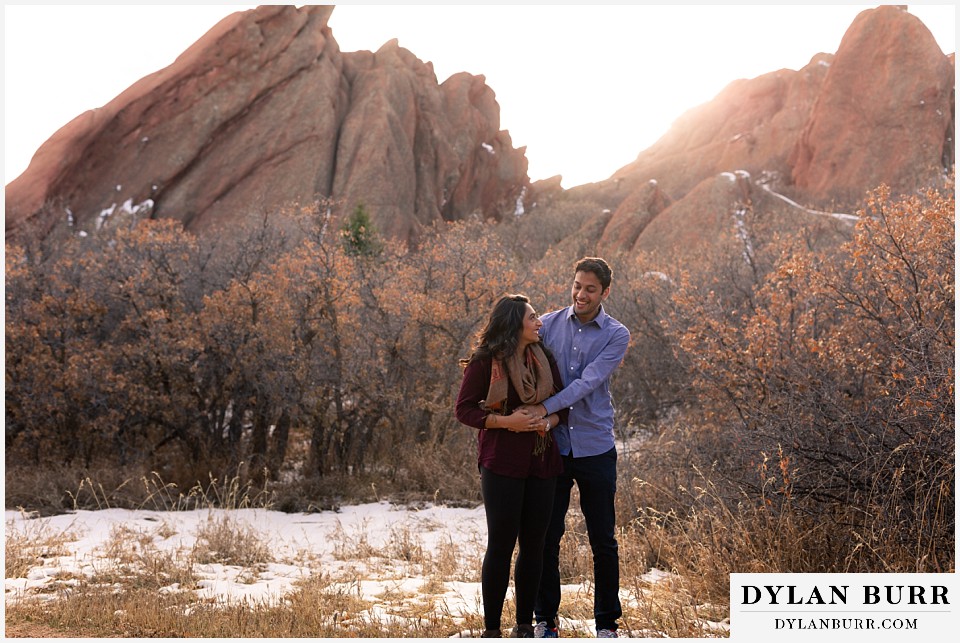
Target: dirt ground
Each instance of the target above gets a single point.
(33, 630)
(37, 631)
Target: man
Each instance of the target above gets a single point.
(588, 345)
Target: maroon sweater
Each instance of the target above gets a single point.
(504, 452)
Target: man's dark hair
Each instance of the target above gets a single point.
(597, 266)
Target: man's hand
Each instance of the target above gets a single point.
(522, 420)
(536, 410)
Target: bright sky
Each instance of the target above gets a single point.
(584, 88)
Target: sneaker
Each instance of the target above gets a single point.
(544, 631)
(522, 632)
(607, 634)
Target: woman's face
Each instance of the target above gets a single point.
(530, 332)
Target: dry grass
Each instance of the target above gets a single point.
(443, 473)
(146, 590)
(55, 490)
(124, 601)
(673, 515)
(26, 548)
(666, 609)
(128, 597)
(223, 539)
(129, 594)
(136, 560)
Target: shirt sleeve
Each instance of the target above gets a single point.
(593, 375)
(564, 412)
(473, 390)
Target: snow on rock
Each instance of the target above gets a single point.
(518, 210)
(850, 218)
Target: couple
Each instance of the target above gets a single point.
(538, 390)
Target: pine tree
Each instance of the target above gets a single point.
(360, 237)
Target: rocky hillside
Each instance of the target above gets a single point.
(879, 110)
(264, 111)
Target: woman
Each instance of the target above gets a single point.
(517, 457)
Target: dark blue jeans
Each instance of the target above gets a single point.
(596, 478)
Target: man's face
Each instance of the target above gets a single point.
(587, 295)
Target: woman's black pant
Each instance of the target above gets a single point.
(518, 509)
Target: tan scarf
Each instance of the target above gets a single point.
(532, 379)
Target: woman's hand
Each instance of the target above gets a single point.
(523, 420)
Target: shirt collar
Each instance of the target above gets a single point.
(600, 320)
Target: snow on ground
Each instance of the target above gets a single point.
(375, 550)
(300, 544)
(381, 553)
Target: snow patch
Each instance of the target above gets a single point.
(836, 215)
(302, 545)
(662, 276)
(739, 219)
(130, 208)
(518, 210)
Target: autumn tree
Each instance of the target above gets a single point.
(832, 395)
(425, 306)
(110, 312)
(56, 381)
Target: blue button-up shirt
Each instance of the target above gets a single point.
(587, 355)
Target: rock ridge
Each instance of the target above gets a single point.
(265, 111)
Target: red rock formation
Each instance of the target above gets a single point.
(633, 215)
(884, 113)
(415, 152)
(881, 110)
(702, 217)
(265, 110)
(751, 125)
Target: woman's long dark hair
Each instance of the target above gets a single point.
(501, 334)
